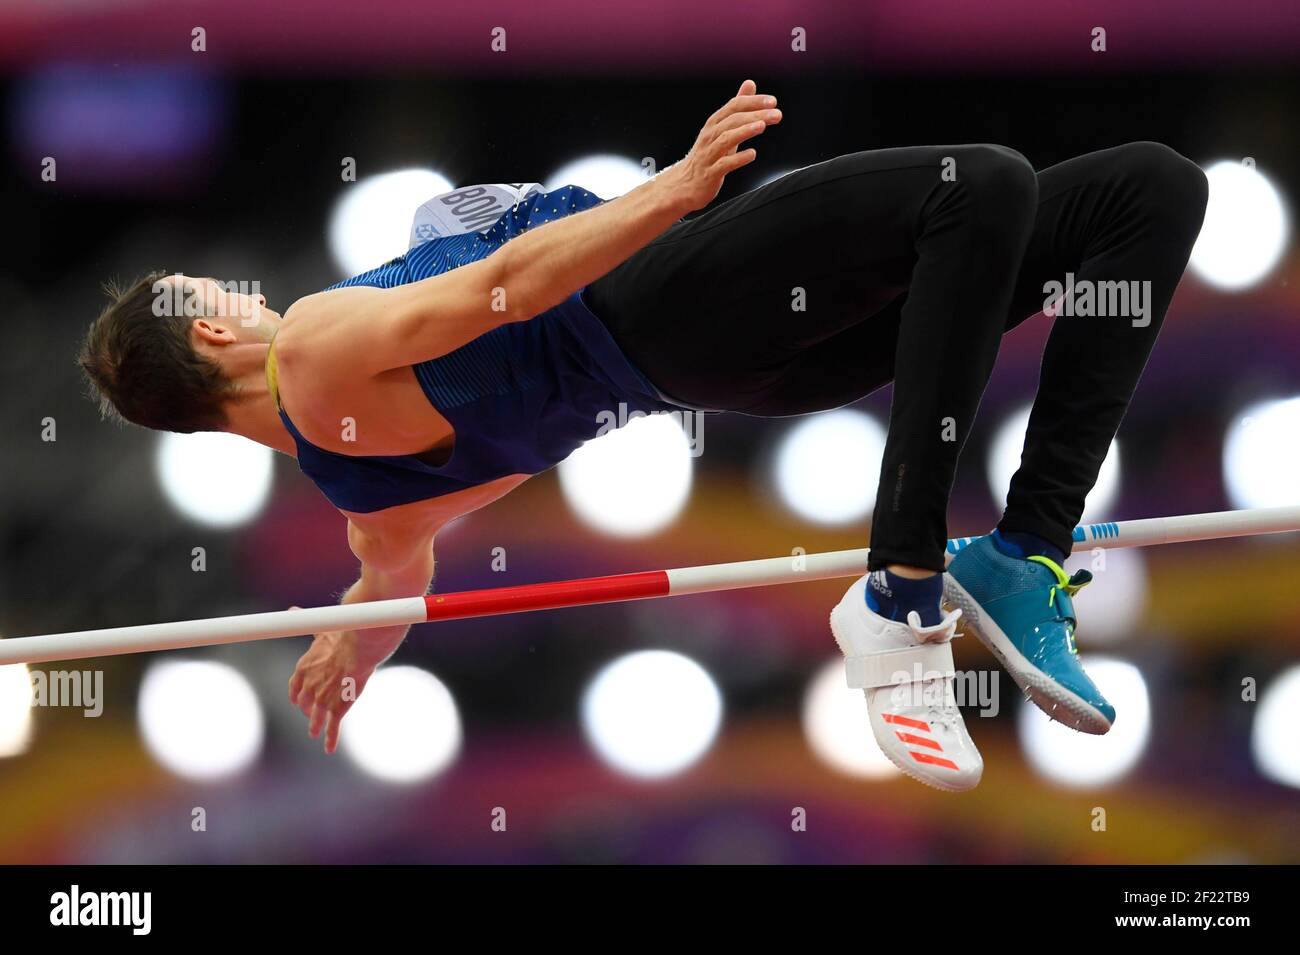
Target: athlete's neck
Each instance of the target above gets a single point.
(252, 413)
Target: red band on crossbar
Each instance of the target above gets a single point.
(562, 593)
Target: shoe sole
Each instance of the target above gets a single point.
(903, 767)
(1046, 693)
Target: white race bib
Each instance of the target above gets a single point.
(468, 209)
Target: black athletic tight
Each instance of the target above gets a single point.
(907, 265)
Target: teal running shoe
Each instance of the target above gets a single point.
(1023, 612)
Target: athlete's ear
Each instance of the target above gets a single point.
(213, 333)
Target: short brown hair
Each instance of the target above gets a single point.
(143, 368)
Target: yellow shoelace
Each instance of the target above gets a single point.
(1066, 583)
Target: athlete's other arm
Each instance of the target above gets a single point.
(427, 319)
(395, 548)
(335, 669)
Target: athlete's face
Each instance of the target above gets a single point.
(233, 311)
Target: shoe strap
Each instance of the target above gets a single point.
(942, 631)
(929, 661)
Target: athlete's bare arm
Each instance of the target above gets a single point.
(337, 666)
(528, 275)
(395, 548)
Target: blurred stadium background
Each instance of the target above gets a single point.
(677, 731)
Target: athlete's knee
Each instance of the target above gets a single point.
(1000, 177)
(1171, 185)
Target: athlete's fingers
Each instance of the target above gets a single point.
(332, 731)
(757, 101)
(731, 113)
(747, 87)
(739, 118)
(769, 117)
(728, 142)
(729, 164)
(306, 700)
(740, 104)
(748, 104)
(318, 716)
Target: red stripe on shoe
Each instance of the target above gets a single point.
(905, 721)
(915, 740)
(933, 760)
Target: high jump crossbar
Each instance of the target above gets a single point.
(405, 611)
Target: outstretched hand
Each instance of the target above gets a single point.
(717, 150)
(327, 681)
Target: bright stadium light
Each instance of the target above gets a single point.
(214, 478)
(371, 221)
(837, 726)
(651, 714)
(606, 176)
(15, 709)
(1004, 461)
(1273, 734)
(405, 728)
(1245, 229)
(828, 465)
(200, 719)
(1261, 456)
(1071, 758)
(1113, 604)
(632, 481)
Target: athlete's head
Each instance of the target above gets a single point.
(168, 350)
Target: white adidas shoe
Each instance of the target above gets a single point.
(906, 672)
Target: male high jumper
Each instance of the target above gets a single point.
(436, 383)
